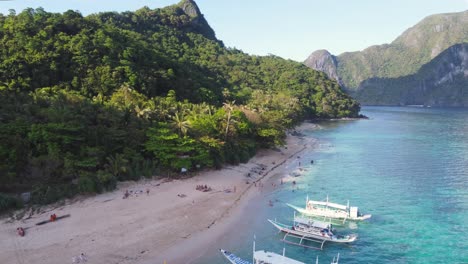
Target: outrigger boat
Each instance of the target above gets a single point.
(260, 257)
(311, 230)
(264, 257)
(331, 210)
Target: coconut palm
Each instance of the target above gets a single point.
(180, 123)
(229, 107)
(117, 164)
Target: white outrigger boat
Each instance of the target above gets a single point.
(260, 257)
(311, 230)
(331, 210)
(264, 257)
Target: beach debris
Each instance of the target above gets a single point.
(183, 170)
(82, 258)
(181, 195)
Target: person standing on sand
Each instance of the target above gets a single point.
(20, 231)
(53, 217)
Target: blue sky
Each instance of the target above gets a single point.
(291, 29)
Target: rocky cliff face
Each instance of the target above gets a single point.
(441, 82)
(198, 21)
(323, 61)
(365, 71)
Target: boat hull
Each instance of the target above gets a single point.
(317, 236)
(329, 214)
(233, 258)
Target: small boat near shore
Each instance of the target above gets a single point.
(331, 210)
(311, 230)
(264, 257)
(260, 257)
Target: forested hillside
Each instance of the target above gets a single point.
(390, 74)
(441, 82)
(87, 101)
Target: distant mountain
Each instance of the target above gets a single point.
(441, 82)
(405, 56)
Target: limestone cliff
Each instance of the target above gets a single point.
(198, 21)
(441, 82)
(362, 73)
(323, 61)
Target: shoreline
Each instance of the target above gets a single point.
(148, 228)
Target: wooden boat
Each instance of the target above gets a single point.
(260, 257)
(311, 230)
(56, 219)
(331, 210)
(264, 257)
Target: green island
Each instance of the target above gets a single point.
(86, 102)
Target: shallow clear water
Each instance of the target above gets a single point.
(408, 167)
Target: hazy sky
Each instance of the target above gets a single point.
(290, 29)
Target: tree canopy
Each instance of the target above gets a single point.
(88, 101)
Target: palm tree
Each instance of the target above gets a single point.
(117, 164)
(180, 123)
(229, 107)
(142, 112)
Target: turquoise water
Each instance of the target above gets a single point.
(408, 167)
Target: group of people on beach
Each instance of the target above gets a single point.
(127, 193)
(203, 188)
(20, 230)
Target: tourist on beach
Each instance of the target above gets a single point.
(53, 217)
(20, 231)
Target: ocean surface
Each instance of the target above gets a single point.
(408, 167)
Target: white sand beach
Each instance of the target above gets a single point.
(173, 223)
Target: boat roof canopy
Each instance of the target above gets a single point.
(270, 257)
(310, 222)
(334, 205)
